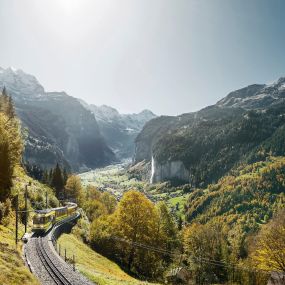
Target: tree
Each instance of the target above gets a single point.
(136, 221)
(109, 202)
(203, 243)
(94, 209)
(269, 249)
(57, 180)
(167, 227)
(65, 175)
(73, 188)
(4, 97)
(6, 166)
(11, 147)
(10, 111)
(92, 193)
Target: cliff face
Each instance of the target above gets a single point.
(245, 126)
(59, 128)
(171, 170)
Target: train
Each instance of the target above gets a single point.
(44, 220)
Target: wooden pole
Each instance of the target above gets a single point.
(17, 206)
(26, 207)
(73, 263)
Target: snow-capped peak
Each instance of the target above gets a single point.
(20, 84)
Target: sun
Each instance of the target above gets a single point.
(68, 7)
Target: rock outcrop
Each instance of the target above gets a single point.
(170, 170)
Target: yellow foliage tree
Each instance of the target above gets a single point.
(268, 251)
(74, 189)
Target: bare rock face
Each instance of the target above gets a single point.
(168, 171)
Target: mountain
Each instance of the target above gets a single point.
(59, 128)
(119, 130)
(256, 96)
(200, 147)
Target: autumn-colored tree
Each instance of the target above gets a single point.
(11, 145)
(94, 209)
(74, 189)
(131, 233)
(137, 222)
(268, 250)
(109, 201)
(102, 235)
(203, 244)
(92, 193)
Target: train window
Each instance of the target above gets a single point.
(39, 220)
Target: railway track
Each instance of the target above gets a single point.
(48, 264)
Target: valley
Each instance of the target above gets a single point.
(142, 142)
(116, 180)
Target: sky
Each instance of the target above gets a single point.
(169, 56)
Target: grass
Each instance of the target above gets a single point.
(94, 266)
(12, 267)
(181, 200)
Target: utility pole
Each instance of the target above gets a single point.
(26, 207)
(73, 262)
(17, 209)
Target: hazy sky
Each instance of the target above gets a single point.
(170, 56)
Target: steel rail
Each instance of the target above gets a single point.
(48, 264)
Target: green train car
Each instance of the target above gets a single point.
(44, 220)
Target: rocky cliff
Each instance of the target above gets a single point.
(170, 170)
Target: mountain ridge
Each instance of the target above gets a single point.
(200, 147)
(61, 129)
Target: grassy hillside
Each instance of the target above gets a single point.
(95, 266)
(12, 268)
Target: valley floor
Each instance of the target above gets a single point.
(116, 180)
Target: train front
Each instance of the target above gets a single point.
(43, 220)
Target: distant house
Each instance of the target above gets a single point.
(179, 275)
(277, 278)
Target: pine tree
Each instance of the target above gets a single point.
(10, 108)
(65, 175)
(50, 176)
(3, 100)
(45, 179)
(57, 180)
